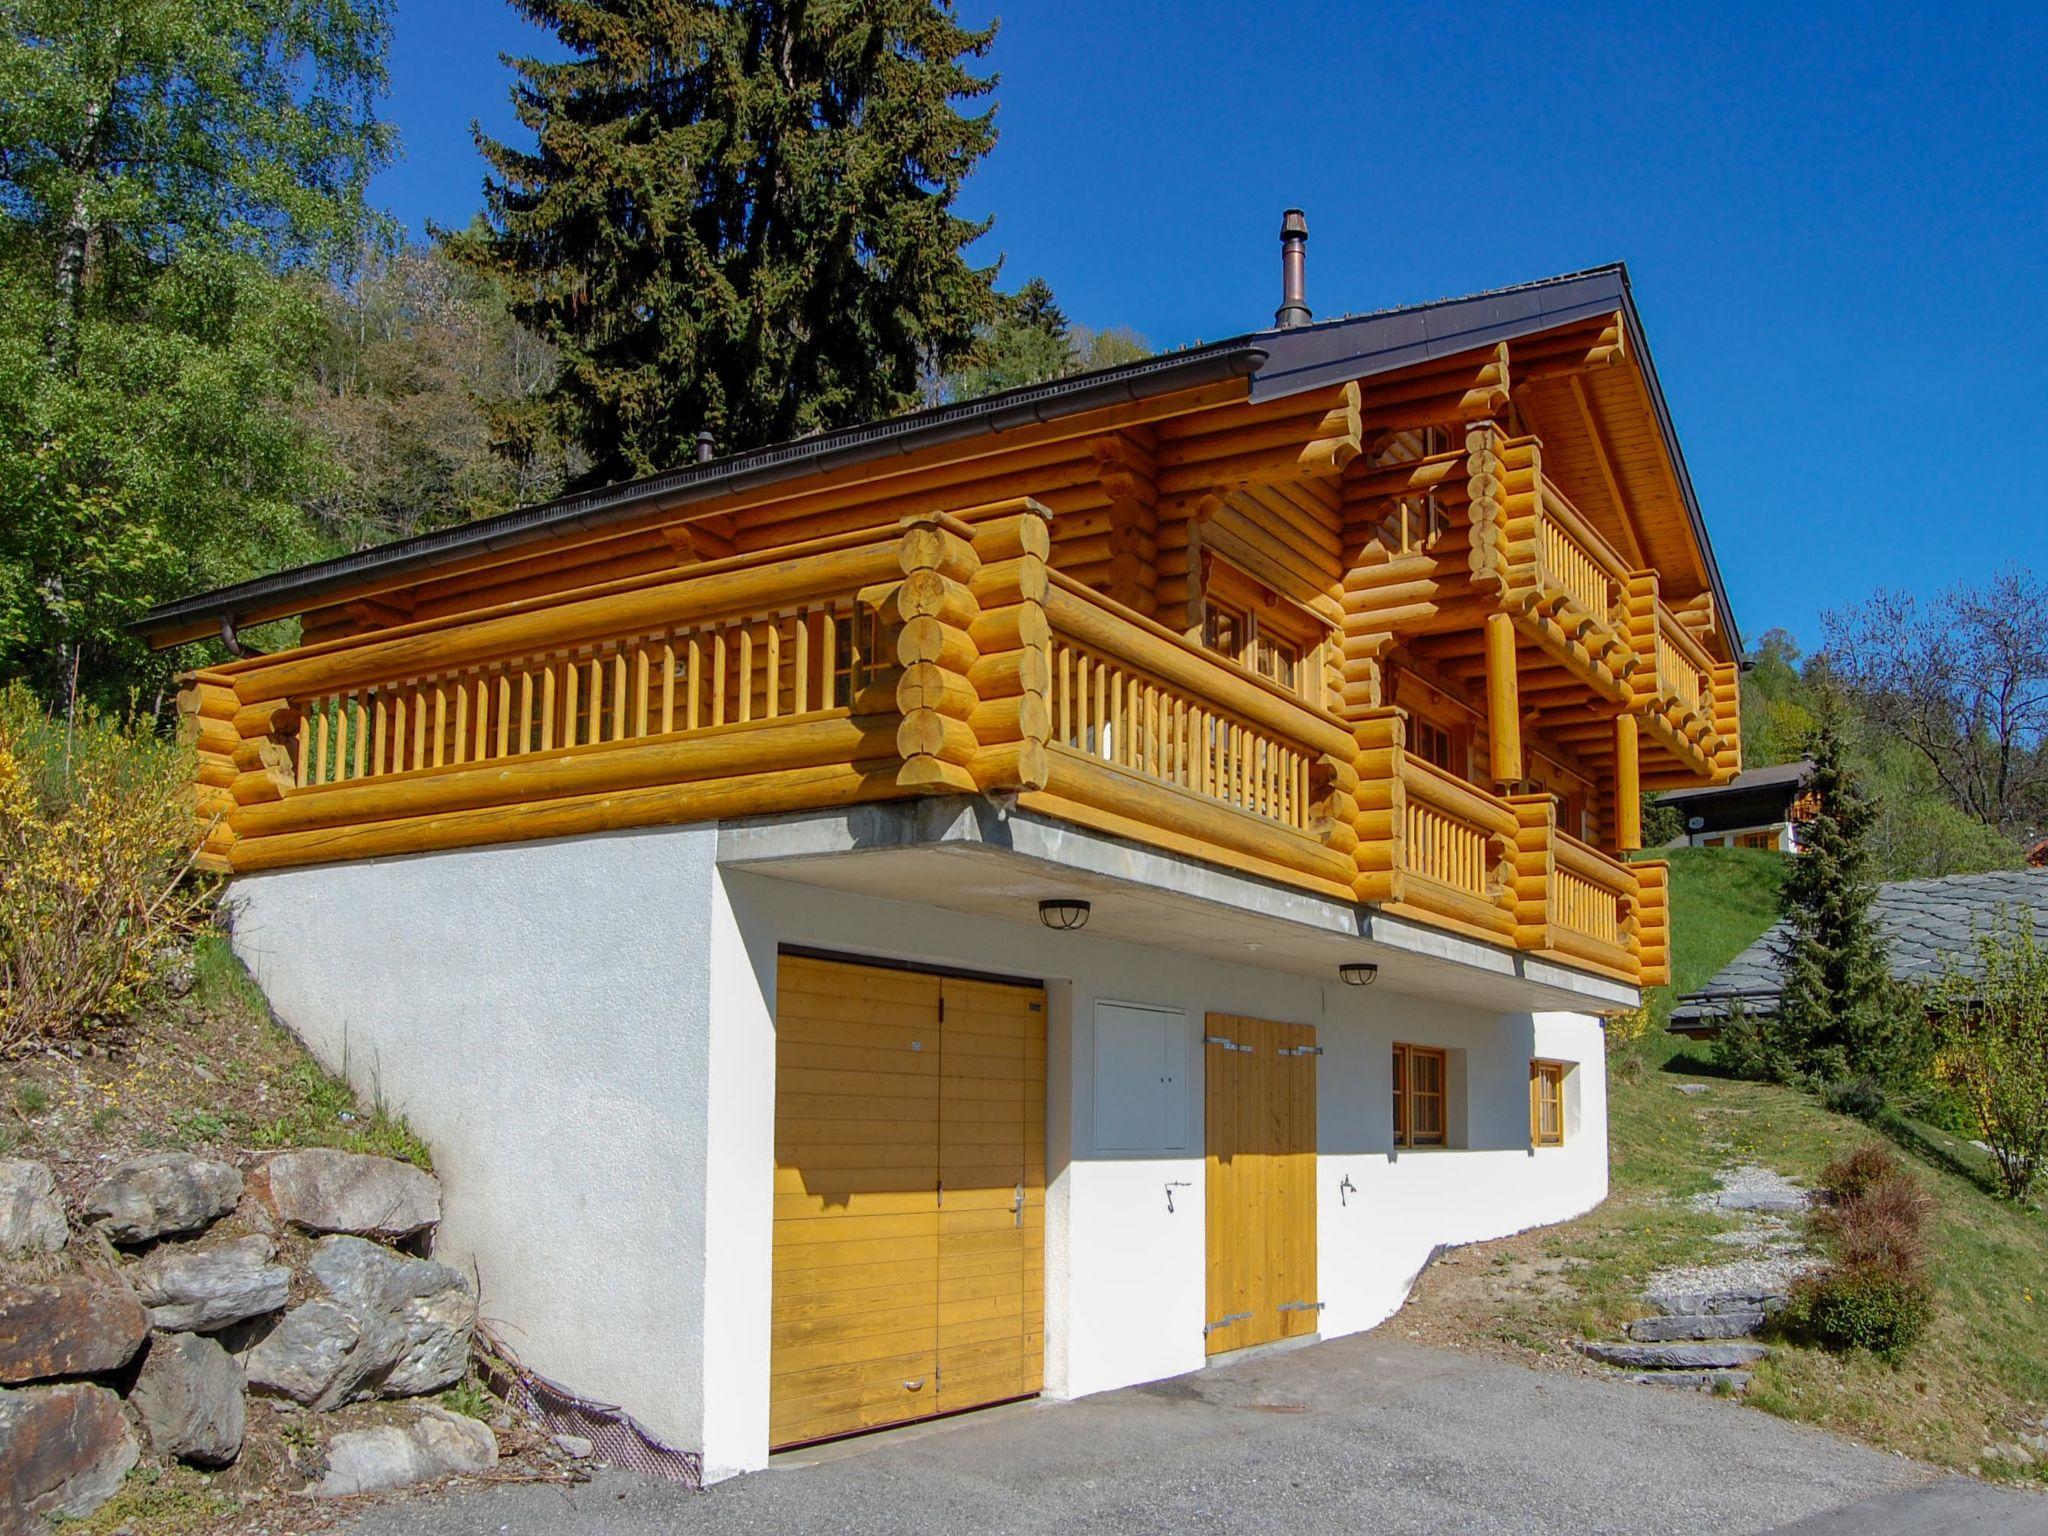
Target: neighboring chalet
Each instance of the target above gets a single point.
(1758, 808)
(1927, 926)
(881, 924)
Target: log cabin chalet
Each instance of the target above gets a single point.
(1020, 898)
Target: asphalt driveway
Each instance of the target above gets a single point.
(1362, 1434)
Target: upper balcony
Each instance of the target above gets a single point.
(940, 657)
(1457, 541)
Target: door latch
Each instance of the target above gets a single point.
(1017, 1205)
(1172, 1185)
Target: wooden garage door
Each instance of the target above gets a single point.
(1261, 1148)
(909, 1273)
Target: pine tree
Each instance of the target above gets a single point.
(1837, 1015)
(738, 215)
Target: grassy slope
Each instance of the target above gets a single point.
(1981, 1375)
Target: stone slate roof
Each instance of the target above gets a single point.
(1925, 924)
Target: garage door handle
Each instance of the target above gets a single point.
(914, 1386)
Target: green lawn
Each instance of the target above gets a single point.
(1980, 1377)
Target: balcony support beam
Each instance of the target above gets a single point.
(1503, 705)
(1628, 785)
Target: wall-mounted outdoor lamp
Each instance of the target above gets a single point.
(1063, 913)
(1359, 973)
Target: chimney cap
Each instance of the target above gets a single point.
(1293, 222)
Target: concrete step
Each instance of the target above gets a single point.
(1696, 1381)
(1676, 1357)
(1696, 1325)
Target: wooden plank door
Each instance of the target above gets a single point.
(855, 1304)
(909, 1266)
(992, 1193)
(1260, 1206)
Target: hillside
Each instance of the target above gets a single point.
(1978, 1381)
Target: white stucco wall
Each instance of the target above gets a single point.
(584, 1031)
(537, 1012)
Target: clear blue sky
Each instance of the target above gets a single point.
(1833, 215)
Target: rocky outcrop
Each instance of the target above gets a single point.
(70, 1328)
(324, 1190)
(365, 1460)
(163, 1194)
(199, 1290)
(63, 1452)
(189, 1398)
(31, 1212)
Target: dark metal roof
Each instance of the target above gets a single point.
(1779, 775)
(1278, 362)
(1926, 926)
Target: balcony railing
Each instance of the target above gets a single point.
(1579, 572)
(1457, 843)
(1592, 905)
(941, 656)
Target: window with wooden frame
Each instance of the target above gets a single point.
(1767, 839)
(1546, 1103)
(1262, 631)
(1445, 746)
(1421, 1079)
(1413, 524)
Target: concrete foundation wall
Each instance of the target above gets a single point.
(584, 1032)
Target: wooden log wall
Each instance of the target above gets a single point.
(1652, 941)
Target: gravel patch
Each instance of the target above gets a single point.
(1750, 1188)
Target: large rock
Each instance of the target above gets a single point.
(189, 1398)
(31, 1212)
(365, 1460)
(71, 1328)
(198, 1290)
(430, 1304)
(321, 1354)
(63, 1452)
(163, 1193)
(323, 1190)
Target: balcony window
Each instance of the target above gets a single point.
(1420, 1078)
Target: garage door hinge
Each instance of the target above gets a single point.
(1224, 1322)
(1301, 1306)
(1227, 1044)
(1301, 1050)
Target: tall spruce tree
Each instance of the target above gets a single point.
(1837, 1014)
(738, 215)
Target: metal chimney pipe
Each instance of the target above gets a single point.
(1293, 308)
(704, 446)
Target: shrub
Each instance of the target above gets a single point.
(1991, 1035)
(1868, 1306)
(1873, 1292)
(1861, 1097)
(1857, 1173)
(96, 837)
